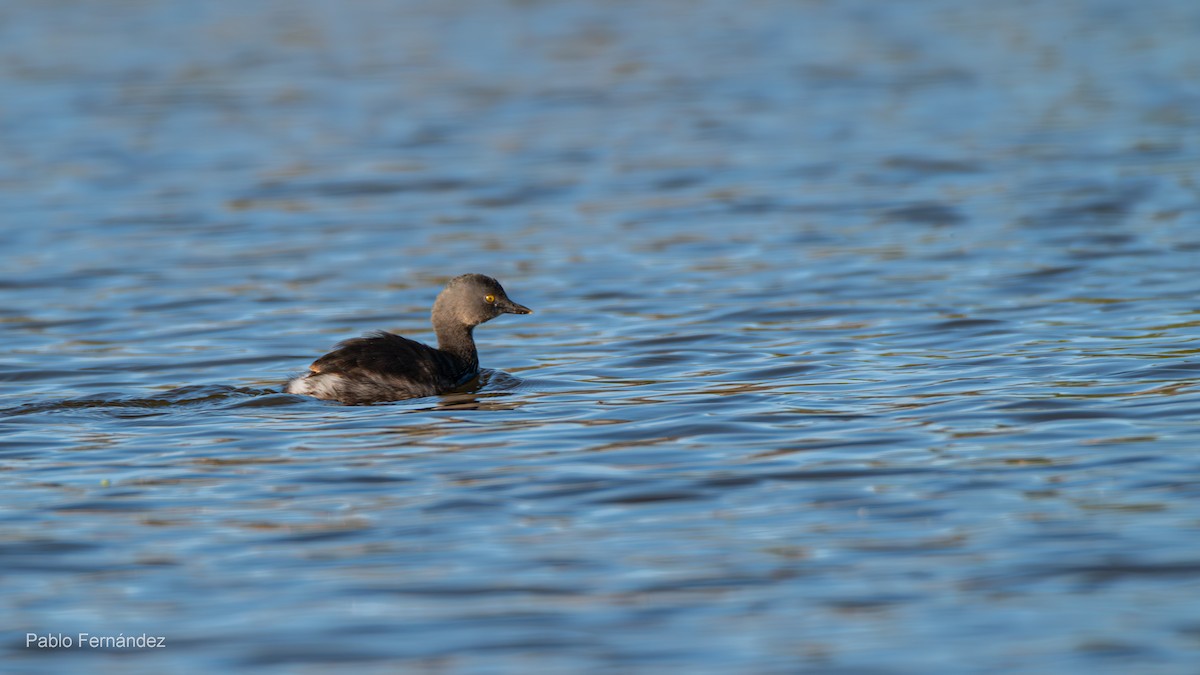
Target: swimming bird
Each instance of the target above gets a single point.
(383, 366)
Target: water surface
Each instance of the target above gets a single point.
(866, 340)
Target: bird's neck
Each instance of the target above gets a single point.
(456, 339)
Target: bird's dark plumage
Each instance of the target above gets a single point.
(383, 366)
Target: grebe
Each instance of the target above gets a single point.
(383, 366)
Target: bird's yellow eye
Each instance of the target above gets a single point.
(489, 298)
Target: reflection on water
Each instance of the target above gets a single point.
(869, 342)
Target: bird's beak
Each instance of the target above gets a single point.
(510, 307)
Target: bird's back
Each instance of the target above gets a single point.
(381, 366)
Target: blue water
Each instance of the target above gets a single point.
(867, 336)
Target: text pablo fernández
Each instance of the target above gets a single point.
(89, 641)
